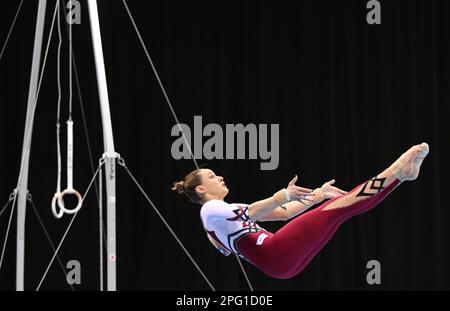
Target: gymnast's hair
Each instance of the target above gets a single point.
(187, 186)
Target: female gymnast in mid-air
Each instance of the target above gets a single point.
(232, 228)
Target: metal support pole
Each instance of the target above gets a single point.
(23, 175)
(110, 155)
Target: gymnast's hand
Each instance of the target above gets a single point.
(299, 193)
(330, 192)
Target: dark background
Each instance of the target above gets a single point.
(349, 97)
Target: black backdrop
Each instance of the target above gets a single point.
(349, 98)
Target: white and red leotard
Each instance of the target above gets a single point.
(287, 252)
(227, 223)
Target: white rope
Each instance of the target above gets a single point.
(80, 98)
(70, 66)
(58, 197)
(68, 228)
(58, 123)
(122, 163)
(10, 30)
(173, 111)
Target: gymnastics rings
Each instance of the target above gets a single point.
(59, 196)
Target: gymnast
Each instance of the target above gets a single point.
(233, 228)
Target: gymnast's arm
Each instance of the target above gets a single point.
(260, 209)
(294, 208)
(289, 210)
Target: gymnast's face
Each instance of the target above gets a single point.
(212, 187)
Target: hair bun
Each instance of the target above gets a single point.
(188, 185)
(179, 187)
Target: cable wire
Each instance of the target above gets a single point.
(10, 30)
(172, 110)
(67, 230)
(122, 163)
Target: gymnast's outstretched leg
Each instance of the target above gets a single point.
(288, 251)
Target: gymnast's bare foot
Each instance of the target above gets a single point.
(407, 167)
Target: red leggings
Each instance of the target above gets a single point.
(287, 252)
